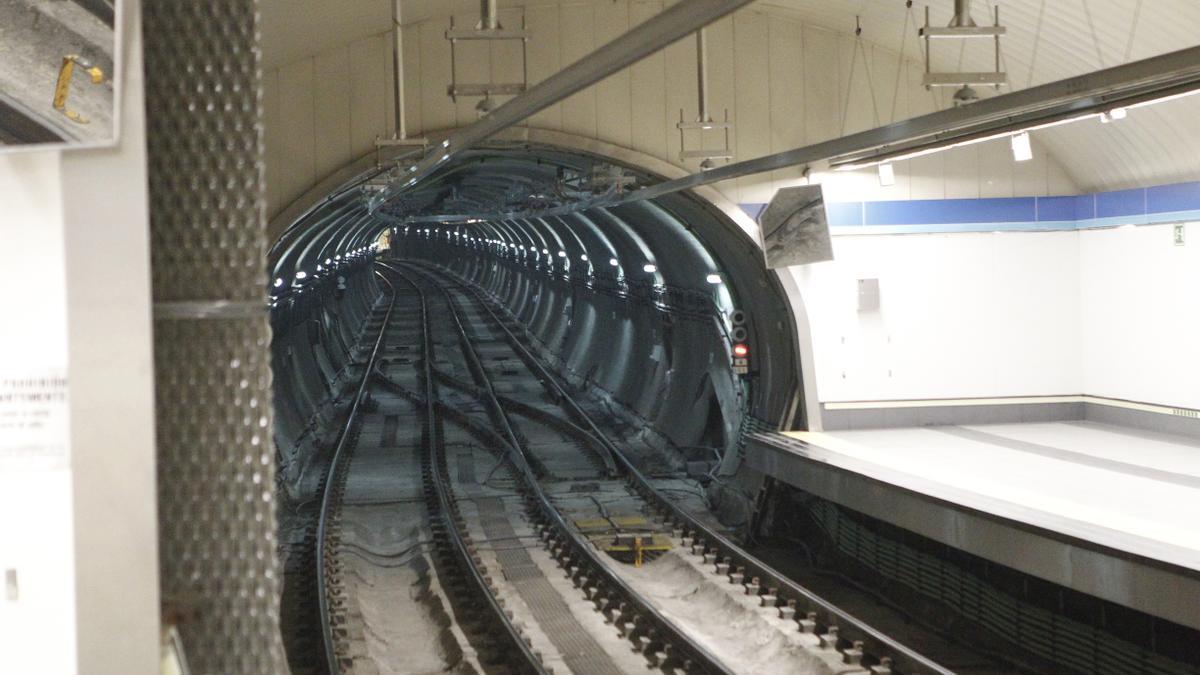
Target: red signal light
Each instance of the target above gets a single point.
(741, 351)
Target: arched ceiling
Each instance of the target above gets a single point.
(516, 178)
(1047, 40)
(1051, 40)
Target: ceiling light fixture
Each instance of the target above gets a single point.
(887, 175)
(1022, 147)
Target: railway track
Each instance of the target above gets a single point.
(544, 445)
(330, 600)
(659, 639)
(665, 645)
(496, 640)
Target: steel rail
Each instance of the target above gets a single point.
(719, 548)
(448, 511)
(611, 593)
(328, 490)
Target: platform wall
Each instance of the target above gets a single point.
(1140, 314)
(960, 316)
(1101, 312)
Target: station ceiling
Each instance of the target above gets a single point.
(1047, 40)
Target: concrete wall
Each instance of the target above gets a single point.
(960, 316)
(37, 605)
(785, 83)
(1103, 312)
(80, 530)
(1140, 314)
(323, 111)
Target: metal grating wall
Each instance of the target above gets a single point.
(1057, 639)
(213, 380)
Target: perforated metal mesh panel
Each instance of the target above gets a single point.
(215, 464)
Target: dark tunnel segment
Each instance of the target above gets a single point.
(632, 303)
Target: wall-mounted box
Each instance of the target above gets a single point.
(868, 295)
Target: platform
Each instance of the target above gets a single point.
(1108, 510)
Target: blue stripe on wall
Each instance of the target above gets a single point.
(1121, 203)
(1171, 198)
(846, 214)
(1057, 209)
(950, 211)
(1158, 204)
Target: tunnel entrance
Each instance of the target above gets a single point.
(600, 334)
(632, 302)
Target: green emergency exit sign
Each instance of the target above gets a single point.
(1179, 234)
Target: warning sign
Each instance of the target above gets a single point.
(33, 418)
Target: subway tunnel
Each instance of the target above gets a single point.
(634, 303)
(640, 311)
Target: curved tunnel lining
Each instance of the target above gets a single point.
(340, 226)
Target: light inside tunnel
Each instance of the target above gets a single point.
(653, 346)
(649, 354)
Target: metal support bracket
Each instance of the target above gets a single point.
(962, 27)
(63, 86)
(489, 29)
(704, 121)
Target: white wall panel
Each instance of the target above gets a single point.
(822, 89)
(437, 110)
(752, 99)
(785, 75)
(370, 94)
(544, 54)
(295, 29)
(650, 115)
(506, 55)
(296, 130)
(1141, 314)
(324, 110)
(614, 103)
(411, 36)
(962, 173)
(996, 169)
(272, 139)
(331, 110)
(577, 38)
(961, 315)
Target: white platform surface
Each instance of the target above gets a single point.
(1127, 489)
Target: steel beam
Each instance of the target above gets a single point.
(1125, 85)
(654, 34)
